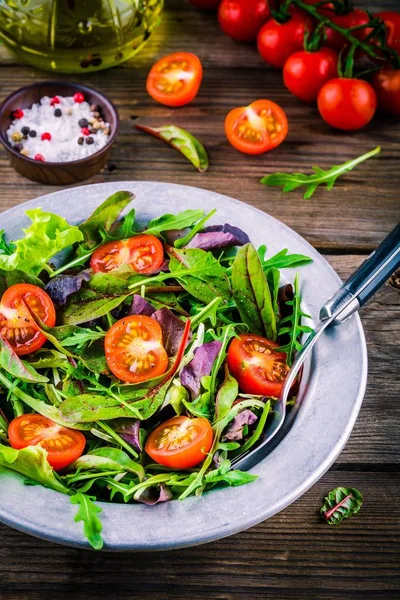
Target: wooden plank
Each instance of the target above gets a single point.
(291, 556)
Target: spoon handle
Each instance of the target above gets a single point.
(366, 280)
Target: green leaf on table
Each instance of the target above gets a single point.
(32, 462)
(181, 140)
(104, 218)
(291, 181)
(341, 503)
(252, 294)
(47, 235)
(88, 513)
(169, 222)
(19, 369)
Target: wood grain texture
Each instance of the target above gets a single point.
(293, 555)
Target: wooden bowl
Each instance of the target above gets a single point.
(53, 173)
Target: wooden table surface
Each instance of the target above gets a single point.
(294, 554)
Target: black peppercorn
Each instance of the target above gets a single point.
(18, 147)
(25, 130)
(89, 140)
(57, 112)
(80, 141)
(32, 133)
(83, 123)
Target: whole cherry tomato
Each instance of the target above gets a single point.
(327, 10)
(277, 41)
(386, 84)
(205, 4)
(347, 104)
(392, 23)
(354, 18)
(242, 19)
(304, 73)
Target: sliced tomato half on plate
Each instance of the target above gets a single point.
(134, 350)
(256, 128)
(16, 323)
(63, 445)
(180, 442)
(259, 369)
(144, 253)
(174, 80)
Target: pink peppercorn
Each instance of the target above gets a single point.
(79, 98)
(18, 114)
(55, 100)
(85, 130)
(46, 136)
(39, 157)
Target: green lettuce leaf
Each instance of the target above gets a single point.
(88, 513)
(19, 369)
(46, 236)
(104, 218)
(32, 462)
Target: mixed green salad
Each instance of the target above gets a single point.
(137, 362)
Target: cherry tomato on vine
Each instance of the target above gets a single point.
(63, 445)
(144, 253)
(386, 84)
(174, 80)
(347, 104)
(242, 19)
(392, 23)
(16, 323)
(180, 442)
(205, 4)
(354, 18)
(327, 10)
(134, 350)
(255, 363)
(256, 128)
(304, 73)
(277, 41)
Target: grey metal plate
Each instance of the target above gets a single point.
(332, 390)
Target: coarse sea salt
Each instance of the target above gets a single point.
(69, 140)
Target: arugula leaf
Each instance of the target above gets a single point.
(32, 462)
(251, 293)
(183, 241)
(46, 236)
(12, 363)
(79, 339)
(107, 458)
(104, 218)
(167, 222)
(224, 474)
(88, 512)
(292, 326)
(181, 140)
(282, 260)
(257, 432)
(289, 182)
(45, 358)
(341, 503)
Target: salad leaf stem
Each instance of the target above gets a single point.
(76, 262)
(118, 439)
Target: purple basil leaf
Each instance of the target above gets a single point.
(128, 429)
(172, 329)
(219, 236)
(200, 366)
(140, 306)
(234, 432)
(155, 494)
(63, 286)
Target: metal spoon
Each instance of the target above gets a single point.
(360, 286)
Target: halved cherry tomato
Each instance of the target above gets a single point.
(242, 19)
(174, 80)
(63, 445)
(354, 18)
(16, 323)
(257, 366)
(277, 41)
(134, 350)
(180, 443)
(144, 253)
(305, 73)
(347, 104)
(256, 128)
(386, 84)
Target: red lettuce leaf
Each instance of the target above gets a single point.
(200, 366)
(219, 236)
(63, 286)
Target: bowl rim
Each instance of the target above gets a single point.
(79, 87)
